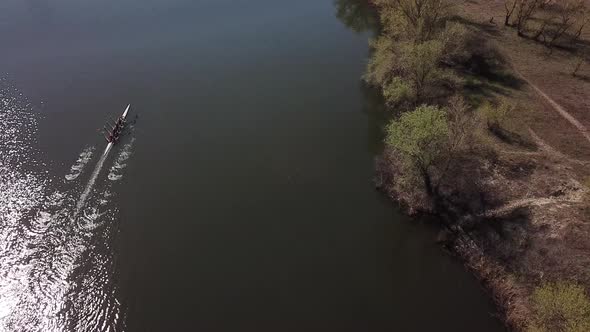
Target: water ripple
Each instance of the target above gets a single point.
(57, 272)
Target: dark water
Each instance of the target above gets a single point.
(240, 200)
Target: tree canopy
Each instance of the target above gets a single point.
(560, 306)
(410, 60)
(421, 136)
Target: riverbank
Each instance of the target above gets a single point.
(513, 192)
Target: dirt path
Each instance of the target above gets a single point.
(571, 193)
(570, 196)
(565, 114)
(509, 207)
(548, 149)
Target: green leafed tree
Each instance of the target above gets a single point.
(382, 66)
(416, 20)
(420, 64)
(407, 72)
(560, 306)
(421, 138)
(411, 72)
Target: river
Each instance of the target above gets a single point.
(240, 197)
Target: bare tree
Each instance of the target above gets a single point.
(583, 21)
(566, 18)
(545, 3)
(461, 123)
(510, 6)
(578, 64)
(526, 9)
(541, 31)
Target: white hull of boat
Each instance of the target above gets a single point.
(124, 117)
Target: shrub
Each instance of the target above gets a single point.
(421, 138)
(461, 123)
(497, 116)
(560, 306)
(398, 91)
(454, 39)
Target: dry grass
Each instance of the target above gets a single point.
(535, 221)
(532, 226)
(524, 184)
(550, 72)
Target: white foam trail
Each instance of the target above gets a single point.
(120, 163)
(92, 180)
(78, 167)
(90, 220)
(109, 146)
(115, 177)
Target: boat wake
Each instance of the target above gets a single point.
(114, 173)
(116, 170)
(92, 180)
(78, 167)
(57, 272)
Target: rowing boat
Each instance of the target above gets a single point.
(112, 134)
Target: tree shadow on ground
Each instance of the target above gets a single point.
(568, 42)
(487, 63)
(478, 90)
(506, 234)
(479, 87)
(512, 138)
(486, 71)
(585, 78)
(492, 29)
(460, 186)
